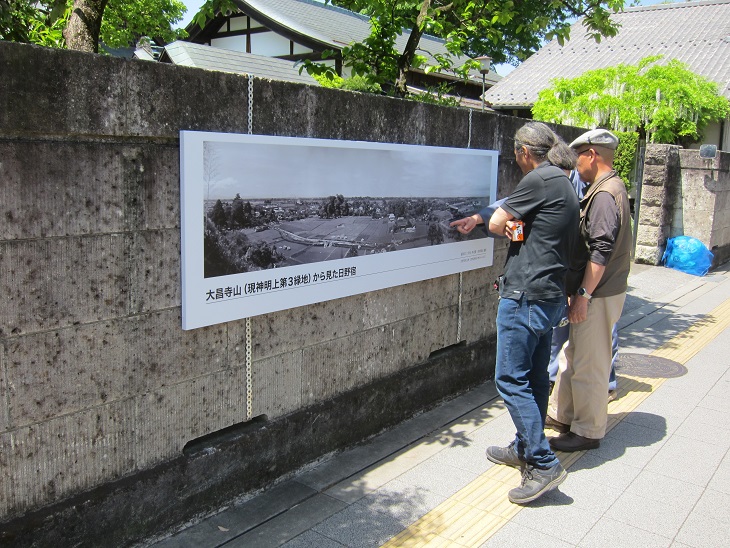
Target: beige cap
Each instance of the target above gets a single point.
(598, 137)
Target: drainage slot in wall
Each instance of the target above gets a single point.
(210, 442)
(446, 350)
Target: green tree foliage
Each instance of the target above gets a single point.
(439, 95)
(212, 7)
(121, 24)
(81, 24)
(664, 103)
(125, 23)
(32, 22)
(506, 30)
(356, 83)
(624, 160)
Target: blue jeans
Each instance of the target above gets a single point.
(524, 332)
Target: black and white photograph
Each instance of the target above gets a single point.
(261, 209)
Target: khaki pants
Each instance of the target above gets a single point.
(581, 386)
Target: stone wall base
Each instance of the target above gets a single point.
(648, 255)
(248, 458)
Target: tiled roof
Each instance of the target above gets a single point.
(210, 58)
(696, 33)
(334, 26)
(326, 23)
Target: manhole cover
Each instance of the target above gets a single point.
(654, 367)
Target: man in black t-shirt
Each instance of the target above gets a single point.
(545, 201)
(532, 292)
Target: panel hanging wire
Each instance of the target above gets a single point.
(249, 358)
(461, 275)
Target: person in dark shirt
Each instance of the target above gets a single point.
(532, 300)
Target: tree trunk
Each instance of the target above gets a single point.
(406, 58)
(84, 25)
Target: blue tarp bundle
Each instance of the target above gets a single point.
(688, 255)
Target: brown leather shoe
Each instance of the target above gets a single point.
(570, 442)
(552, 424)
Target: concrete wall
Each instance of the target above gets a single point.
(702, 209)
(683, 194)
(101, 390)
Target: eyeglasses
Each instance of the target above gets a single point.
(588, 150)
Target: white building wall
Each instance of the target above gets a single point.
(233, 43)
(238, 23)
(711, 136)
(269, 44)
(266, 43)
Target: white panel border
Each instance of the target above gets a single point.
(232, 297)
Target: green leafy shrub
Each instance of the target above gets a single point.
(625, 157)
(665, 103)
(356, 83)
(438, 95)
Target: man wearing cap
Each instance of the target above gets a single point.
(577, 407)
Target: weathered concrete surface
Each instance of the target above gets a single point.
(683, 194)
(705, 196)
(101, 391)
(155, 499)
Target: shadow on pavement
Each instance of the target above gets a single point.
(635, 432)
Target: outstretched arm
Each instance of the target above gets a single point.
(467, 224)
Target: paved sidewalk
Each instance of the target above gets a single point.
(661, 477)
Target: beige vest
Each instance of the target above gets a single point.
(614, 279)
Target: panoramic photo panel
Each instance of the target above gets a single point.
(270, 223)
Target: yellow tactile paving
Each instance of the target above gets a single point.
(685, 345)
(480, 509)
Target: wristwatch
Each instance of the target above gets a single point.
(583, 293)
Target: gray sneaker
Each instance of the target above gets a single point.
(505, 455)
(537, 482)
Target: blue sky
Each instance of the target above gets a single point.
(194, 5)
